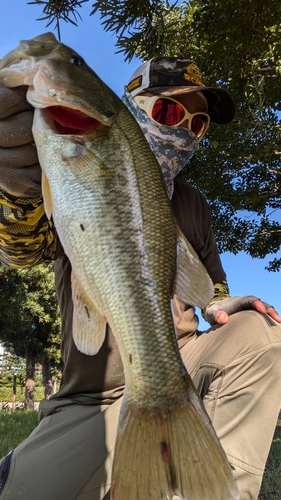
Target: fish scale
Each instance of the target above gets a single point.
(105, 192)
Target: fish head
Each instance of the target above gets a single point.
(59, 79)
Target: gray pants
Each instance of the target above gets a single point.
(237, 371)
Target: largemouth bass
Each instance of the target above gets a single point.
(105, 192)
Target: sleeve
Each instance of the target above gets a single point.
(27, 237)
(193, 216)
(221, 291)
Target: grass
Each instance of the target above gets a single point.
(271, 485)
(16, 426)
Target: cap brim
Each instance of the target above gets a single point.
(221, 107)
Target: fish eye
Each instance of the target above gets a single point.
(77, 60)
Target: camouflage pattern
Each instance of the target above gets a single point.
(28, 238)
(172, 146)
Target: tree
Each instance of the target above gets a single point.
(29, 319)
(237, 44)
(12, 375)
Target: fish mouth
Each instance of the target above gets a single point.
(69, 121)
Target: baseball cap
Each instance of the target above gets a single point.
(174, 75)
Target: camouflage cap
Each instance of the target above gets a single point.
(173, 75)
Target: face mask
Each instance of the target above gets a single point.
(172, 146)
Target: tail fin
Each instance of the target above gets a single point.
(176, 453)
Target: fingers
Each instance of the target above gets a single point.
(20, 171)
(259, 306)
(273, 314)
(22, 156)
(222, 317)
(16, 130)
(265, 309)
(22, 181)
(13, 101)
(219, 312)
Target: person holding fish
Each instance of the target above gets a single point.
(235, 365)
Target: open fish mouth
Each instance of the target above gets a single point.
(67, 121)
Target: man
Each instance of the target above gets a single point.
(236, 367)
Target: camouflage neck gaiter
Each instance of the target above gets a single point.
(172, 146)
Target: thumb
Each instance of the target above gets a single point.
(221, 317)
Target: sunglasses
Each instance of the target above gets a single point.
(168, 111)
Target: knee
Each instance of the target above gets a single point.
(255, 328)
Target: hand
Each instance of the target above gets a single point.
(13, 101)
(20, 172)
(221, 310)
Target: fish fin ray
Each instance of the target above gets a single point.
(175, 453)
(89, 325)
(47, 197)
(193, 285)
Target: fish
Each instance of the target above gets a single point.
(105, 191)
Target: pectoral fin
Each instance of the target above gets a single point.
(89, 326)
(193, 285)
(47, 198)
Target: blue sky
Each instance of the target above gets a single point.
(246, 276)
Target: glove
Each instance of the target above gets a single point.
(231, 306)
(20, 172)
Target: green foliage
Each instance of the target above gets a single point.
(242, 183)
(11, 365)
(12, 369)
(140, 26)
(12, 378)
(29, 315)
(6, 394)
(54, 11)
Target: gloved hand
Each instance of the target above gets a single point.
(20, 172)
(220, 311)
